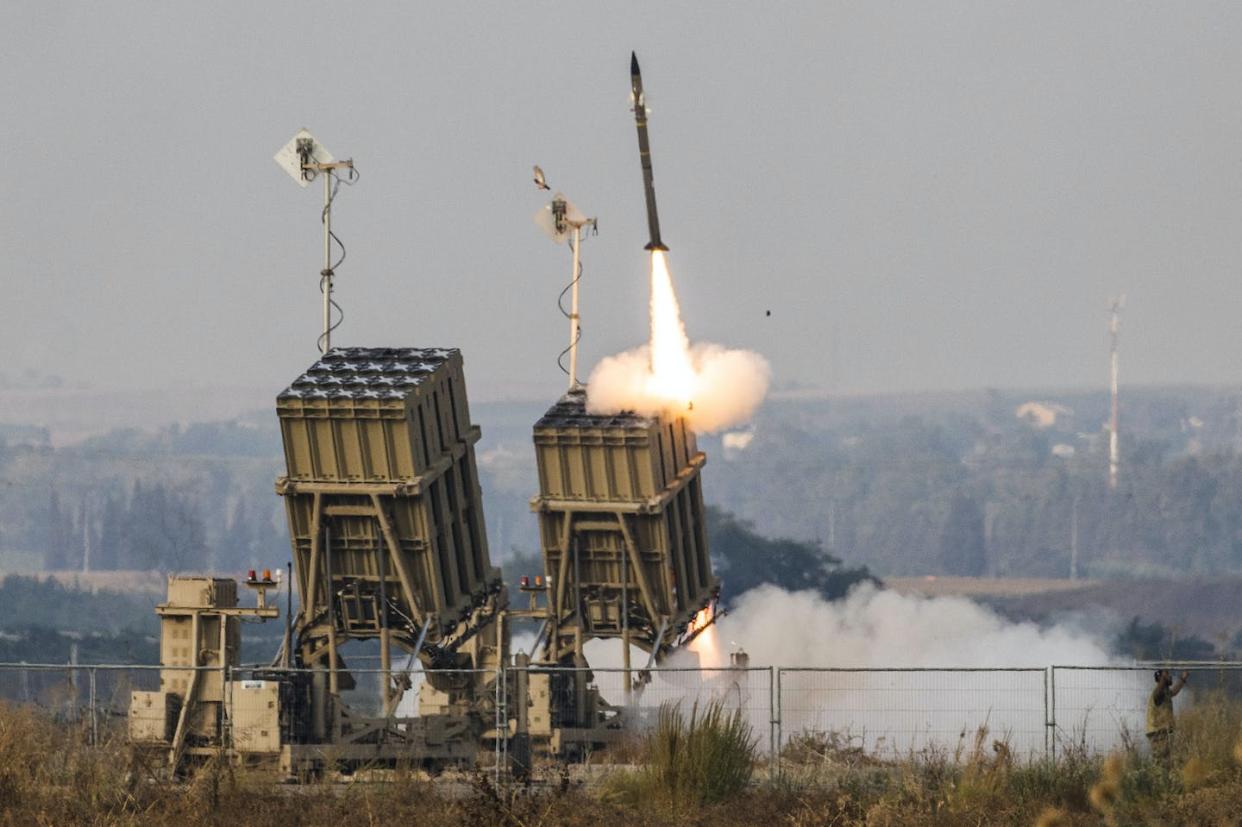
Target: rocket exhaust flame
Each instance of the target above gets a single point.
(711, 386)
(700, 634)
(672, 375)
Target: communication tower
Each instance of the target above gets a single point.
(1114, 329)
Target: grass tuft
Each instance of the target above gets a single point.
(690, 760)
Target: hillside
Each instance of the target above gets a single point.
(988, 483)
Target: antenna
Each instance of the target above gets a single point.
(1114, 328)
(305, 159)
(562, 221)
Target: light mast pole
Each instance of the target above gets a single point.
(1114, 450)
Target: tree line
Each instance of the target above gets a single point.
(961, 495)
(153, 527)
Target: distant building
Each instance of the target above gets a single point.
(1042, 415)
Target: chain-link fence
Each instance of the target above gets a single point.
(877, 713)
(97, 697)
(1097, 709)
(894, 713)
(635, 696)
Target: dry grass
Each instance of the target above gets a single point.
(49, 776)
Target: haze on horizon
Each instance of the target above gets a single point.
(924, 196)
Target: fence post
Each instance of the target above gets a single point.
(226, 717)
(1052, 720)
(779, 714)
(1047, 729)
(73, 689)
(772, 771)
(500, 678)
(91, 706)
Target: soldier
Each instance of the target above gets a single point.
(1160, 713)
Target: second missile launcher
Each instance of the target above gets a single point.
(622, 524)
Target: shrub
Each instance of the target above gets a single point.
(702, 758)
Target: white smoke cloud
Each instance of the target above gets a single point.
(909, 673)
(730, 385)
(897, 707)
(712, 386)
(880, 628)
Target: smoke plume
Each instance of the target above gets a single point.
(897, 708)
(911, 672)
(881, 628)
(712, 386)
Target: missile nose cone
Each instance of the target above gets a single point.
(633, 64)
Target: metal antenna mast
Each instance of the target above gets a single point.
(575, 327)
(562, 221)
(1114, 328)
(305, 159)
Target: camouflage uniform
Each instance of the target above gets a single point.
(1160, 714)
(1160, 722)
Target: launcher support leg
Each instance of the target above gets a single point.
(334, 687)
(625, 624)
(385, 643)
(640, 576)
(310, 589)
(580, 678)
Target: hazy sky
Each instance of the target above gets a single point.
(925, 195)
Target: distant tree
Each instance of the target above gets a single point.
(144, 535)
(963, 550)
(250, 540)
(1152, 641)
(746, 560)
(185, 534)
(236, 546)
(27, 602)
(59, 540)
(163, 531)
(271, 543)
(108, 551)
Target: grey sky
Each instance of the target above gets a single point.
(945, 194)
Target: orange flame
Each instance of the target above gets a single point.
(701, 618)
(705, 644)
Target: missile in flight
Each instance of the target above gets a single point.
(644, 154)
